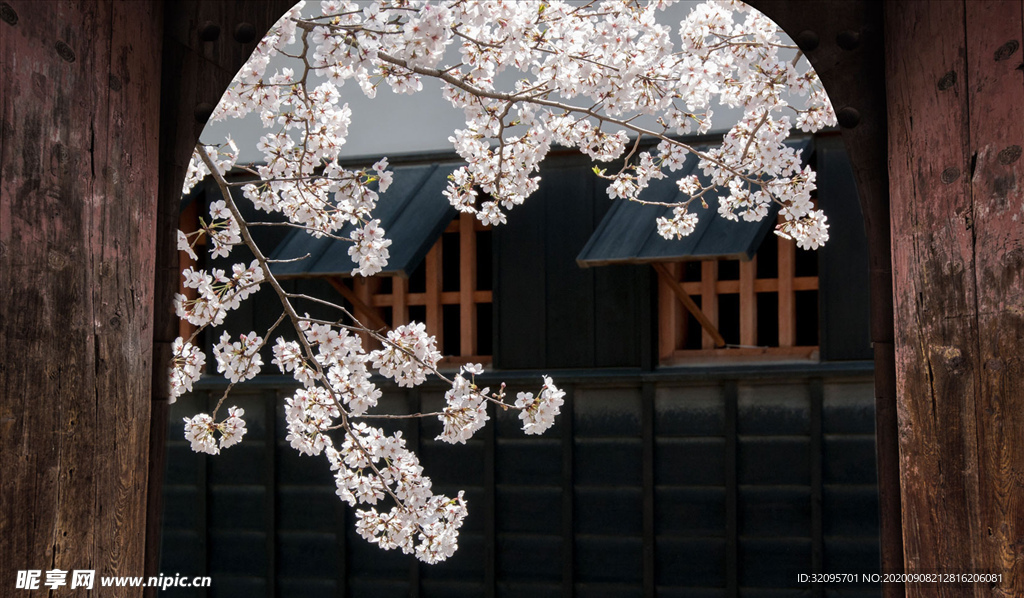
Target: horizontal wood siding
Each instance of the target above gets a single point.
(749, 482)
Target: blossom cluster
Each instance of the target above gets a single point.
(585, 76)
(465, 409)
(203, 432)
(217, 292)
(614, 55)
(239, 360)
(371, 465)
(409, 355)
(538, 413)
(187, 364)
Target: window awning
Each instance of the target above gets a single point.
(628, 235)
(413, 212)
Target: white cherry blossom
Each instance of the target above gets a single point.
(584, 77)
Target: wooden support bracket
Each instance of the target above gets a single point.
(689, 304)
(375, 321)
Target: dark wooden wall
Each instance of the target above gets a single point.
(699, 485)
(79, 148)
(550, 313)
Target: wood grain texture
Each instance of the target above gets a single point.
(958, 253)
(935, 329)
(995, 87)
(78, 198)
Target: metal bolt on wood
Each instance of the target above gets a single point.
(807, 40)
(244, 33)
(209, 31)
(848, 117)
(203, 112)
(848, 40)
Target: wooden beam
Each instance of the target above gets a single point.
(447, 298)
(669, 311)
(787, 299)
(955, 134)
(365, 313)
(709, 303)
(748, 302)
(761, 285)
(432, 297)
(399, 301)
(688, 303)
(467, 284)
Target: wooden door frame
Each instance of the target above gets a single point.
(841, 38)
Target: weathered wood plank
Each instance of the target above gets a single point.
(995, 31)
(400, 301)
(80, 111)
(934, 292)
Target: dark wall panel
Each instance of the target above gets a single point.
(725, 506)
(843, 261)
(550, 313)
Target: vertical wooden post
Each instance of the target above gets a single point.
(399, 301)
(709, 298)
(433, 295)
(467, 284)
(362, 290)
(748, 302)
(787, 300)
(669, 316)
(79, 145)
(956, 126)
(995, 91)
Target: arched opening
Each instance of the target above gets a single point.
(645, 412)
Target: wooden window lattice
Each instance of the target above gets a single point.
(372, 304)
(674, 320)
